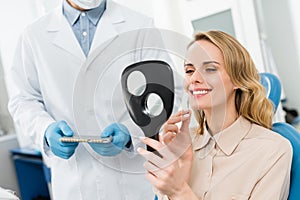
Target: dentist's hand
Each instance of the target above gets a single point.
(53, 133)
(121, 138)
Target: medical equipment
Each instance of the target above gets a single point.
(88, 139)
(148, 90)
(120, 140)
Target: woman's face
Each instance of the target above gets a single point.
(206, 80)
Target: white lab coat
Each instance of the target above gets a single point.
(47, 62)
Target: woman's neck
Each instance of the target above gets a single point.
(218, 119)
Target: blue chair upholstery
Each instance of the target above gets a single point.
(273, 87)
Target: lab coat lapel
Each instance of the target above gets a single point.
(64, 36)
(106, 29)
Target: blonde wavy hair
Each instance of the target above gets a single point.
(251, 101)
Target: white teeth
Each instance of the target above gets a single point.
(200, 92)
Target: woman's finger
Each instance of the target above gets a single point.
(153, 169)
(178, 117)
(166, 138)
(180, 144)
(152, 143)
(170, 128)
(181, 112)
(164, 157)
(150, 156)
(155, 181)
(185, 122)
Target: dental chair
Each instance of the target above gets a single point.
(273, 87)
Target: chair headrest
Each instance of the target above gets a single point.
(273, 87)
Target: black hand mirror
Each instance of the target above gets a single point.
(148, 89)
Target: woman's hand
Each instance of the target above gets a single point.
(171, 172)
(181, 136)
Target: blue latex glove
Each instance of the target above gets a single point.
(121, 138)
(53, 133)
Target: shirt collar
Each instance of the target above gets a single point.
(71, 13)
(94, 14)
(228, 139)
(207, 136)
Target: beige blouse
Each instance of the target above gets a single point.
(244, 161)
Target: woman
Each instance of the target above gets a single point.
(234, 154)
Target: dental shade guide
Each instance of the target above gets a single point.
(88, 139)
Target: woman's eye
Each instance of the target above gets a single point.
(189, 71)
(210, 69)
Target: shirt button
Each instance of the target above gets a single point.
(207, 174)
(83, 14)
(84, 33)
(233, 198)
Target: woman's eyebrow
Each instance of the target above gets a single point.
(188, 64)
(204, 63)
(210, 61)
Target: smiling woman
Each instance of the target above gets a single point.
(229, 72)
(233, 154)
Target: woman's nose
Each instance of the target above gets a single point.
(197, 77)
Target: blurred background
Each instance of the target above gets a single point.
(267, 28)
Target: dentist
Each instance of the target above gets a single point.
(47, 61)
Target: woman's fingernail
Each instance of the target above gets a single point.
(186, 115)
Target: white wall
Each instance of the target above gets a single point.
(6, 124)
(176, 15)
(294, 6)
(244, 20)
(282, 29)
(14, 21)
(166, 13)
(27, 11)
